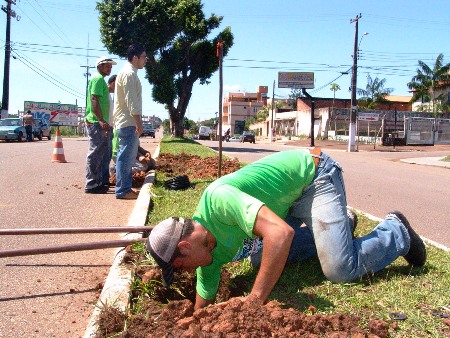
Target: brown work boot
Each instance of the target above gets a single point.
(132, 195)
(417, 254)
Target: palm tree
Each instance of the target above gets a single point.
(334, 87)
(374, 92)
(428, 82)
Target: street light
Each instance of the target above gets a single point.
(359, 44)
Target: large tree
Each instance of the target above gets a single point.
(428, 82)
(375, 92)
(294, 95)
(175, 34)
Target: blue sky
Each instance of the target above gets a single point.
(51, 39)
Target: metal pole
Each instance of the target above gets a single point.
(220, 55)
(5, 97)
(70, 248)
(53, 231)
(312, 115)
(352, 128)
(273, 105)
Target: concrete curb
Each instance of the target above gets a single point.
(116, 290)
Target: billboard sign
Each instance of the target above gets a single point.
(296, 80)
(54, 113)
(368, 116)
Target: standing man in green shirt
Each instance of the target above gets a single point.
(260, 209)
(98, 129)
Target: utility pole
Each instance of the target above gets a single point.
(354, 107)
(87, 74)
(5, 98)
(219, 54)
(312, 115)
(273, 106)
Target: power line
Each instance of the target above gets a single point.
(44, 74)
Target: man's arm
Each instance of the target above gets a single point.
(277, 237)
(201, 302)
(139, 126)
(98, 112)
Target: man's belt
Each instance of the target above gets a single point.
(317, 152)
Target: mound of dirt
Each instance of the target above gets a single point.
(244, 317)
(195, 166)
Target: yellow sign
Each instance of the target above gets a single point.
(295, 80)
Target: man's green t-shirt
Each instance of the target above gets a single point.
(229, 206)
(98, 87)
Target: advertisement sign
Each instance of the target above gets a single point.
(368, 116)
(54, 113)
(296, 80)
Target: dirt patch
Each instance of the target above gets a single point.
(137, 182)
(194, 166)
(169, 312)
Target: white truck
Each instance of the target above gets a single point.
(204, 133)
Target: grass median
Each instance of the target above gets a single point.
(421, 294)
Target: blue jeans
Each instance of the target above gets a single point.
(322, 207)
(98, 157)
(126, 154)
(29, 132)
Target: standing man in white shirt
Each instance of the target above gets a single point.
(128, 119)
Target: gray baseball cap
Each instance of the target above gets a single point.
(163, 242)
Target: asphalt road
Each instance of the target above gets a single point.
(52, 295)
(377, 182)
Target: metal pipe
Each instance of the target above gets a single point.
(50, 231)
(69, 248)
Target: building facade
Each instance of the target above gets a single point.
(239, 107)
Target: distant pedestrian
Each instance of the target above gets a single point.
(128, 119)
(98, 129)
(29, 122)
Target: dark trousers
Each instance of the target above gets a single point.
(29, 131)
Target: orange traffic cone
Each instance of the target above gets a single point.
(58, 150)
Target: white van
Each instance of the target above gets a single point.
(204, 133)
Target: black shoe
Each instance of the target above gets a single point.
(417, 254)
(97, 190)
(353, 218)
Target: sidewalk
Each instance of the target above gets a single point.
(433, 161)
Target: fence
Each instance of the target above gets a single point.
(387, 127)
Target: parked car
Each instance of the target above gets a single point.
(235, 138)
(42, 130)
(248, 136)
(12, 129)
(148, 131)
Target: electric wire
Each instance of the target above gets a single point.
(28, 63)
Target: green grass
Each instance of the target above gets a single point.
(416, 292)
(446, 159)
(173, 145)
